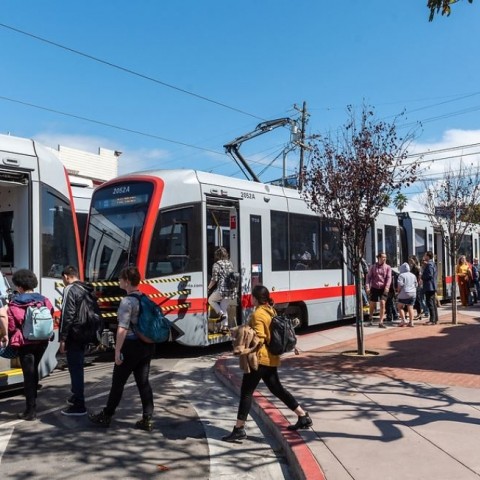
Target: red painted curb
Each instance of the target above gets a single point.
(306, 463)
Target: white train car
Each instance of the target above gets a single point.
(169, 223)
(38, 227)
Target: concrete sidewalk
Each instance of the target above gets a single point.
(411, 411)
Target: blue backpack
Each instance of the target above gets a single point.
(38, 323)
(152, 325)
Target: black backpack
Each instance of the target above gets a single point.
(282, 335)
(231, 280)
(89, 325)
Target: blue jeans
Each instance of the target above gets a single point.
(432, 306)
(75, 360)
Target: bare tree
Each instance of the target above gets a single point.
(351, 178)
(452, 206)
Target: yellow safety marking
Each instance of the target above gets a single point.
(11, 372)
(170, 294)
(153, 295)
(175, 307)
(186, 278)
(58, 301)
(164, 309)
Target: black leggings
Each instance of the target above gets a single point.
(30, 355)
(250, 382)
(137, 356)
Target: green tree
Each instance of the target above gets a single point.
(441, 6)
(351, 178)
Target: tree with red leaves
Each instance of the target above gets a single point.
(352, 177)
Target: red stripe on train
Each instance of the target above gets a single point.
(310, 294)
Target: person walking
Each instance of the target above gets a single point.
(377, 285)
(219, 299)
(132, 355)
(30, 351)
(72, 342)
(267, 371)
(429, 282)
(464, 276)
(407, 291)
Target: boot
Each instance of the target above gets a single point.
(238, 433)
(302, 422)
(28, 415)
(145, 423)
(101, 419)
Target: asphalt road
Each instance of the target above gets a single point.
(192, 412)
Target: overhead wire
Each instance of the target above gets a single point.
(110, 125)
(129, 70)
(221, 104)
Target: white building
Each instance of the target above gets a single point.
(89, 169)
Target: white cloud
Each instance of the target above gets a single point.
(142, 159)
(130, 160)
(455, 145)
(80, 142)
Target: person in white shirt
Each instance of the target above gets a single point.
(407, 291)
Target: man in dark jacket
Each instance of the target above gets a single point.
(429, 283)
(71, 341)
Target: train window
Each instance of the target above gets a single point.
(6, 240)
(256, 255)
(304, 242)
(175, 247)
(380, 248)
(117, 218)
(279, 229)
(391, 245)
(466, 247)
(59, 247)
(420, 242)
(331, 256)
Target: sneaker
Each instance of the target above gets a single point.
(145, 423)
(238, 433)
(302, 422)
(28, 415)
(74, 411)
(100, 419)
(381, 325)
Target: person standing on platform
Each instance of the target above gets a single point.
(377, 285)
(429, 281)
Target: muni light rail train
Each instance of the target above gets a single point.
(38, 228)
(169, 223)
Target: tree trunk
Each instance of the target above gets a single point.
(359, 310)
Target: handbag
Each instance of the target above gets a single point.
(9, 352)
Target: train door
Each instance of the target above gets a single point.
(15, 229)
(222, 231)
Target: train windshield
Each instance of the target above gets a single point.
(117, 217)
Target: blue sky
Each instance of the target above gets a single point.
(250, 60)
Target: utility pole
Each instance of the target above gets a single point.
(301, 141)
